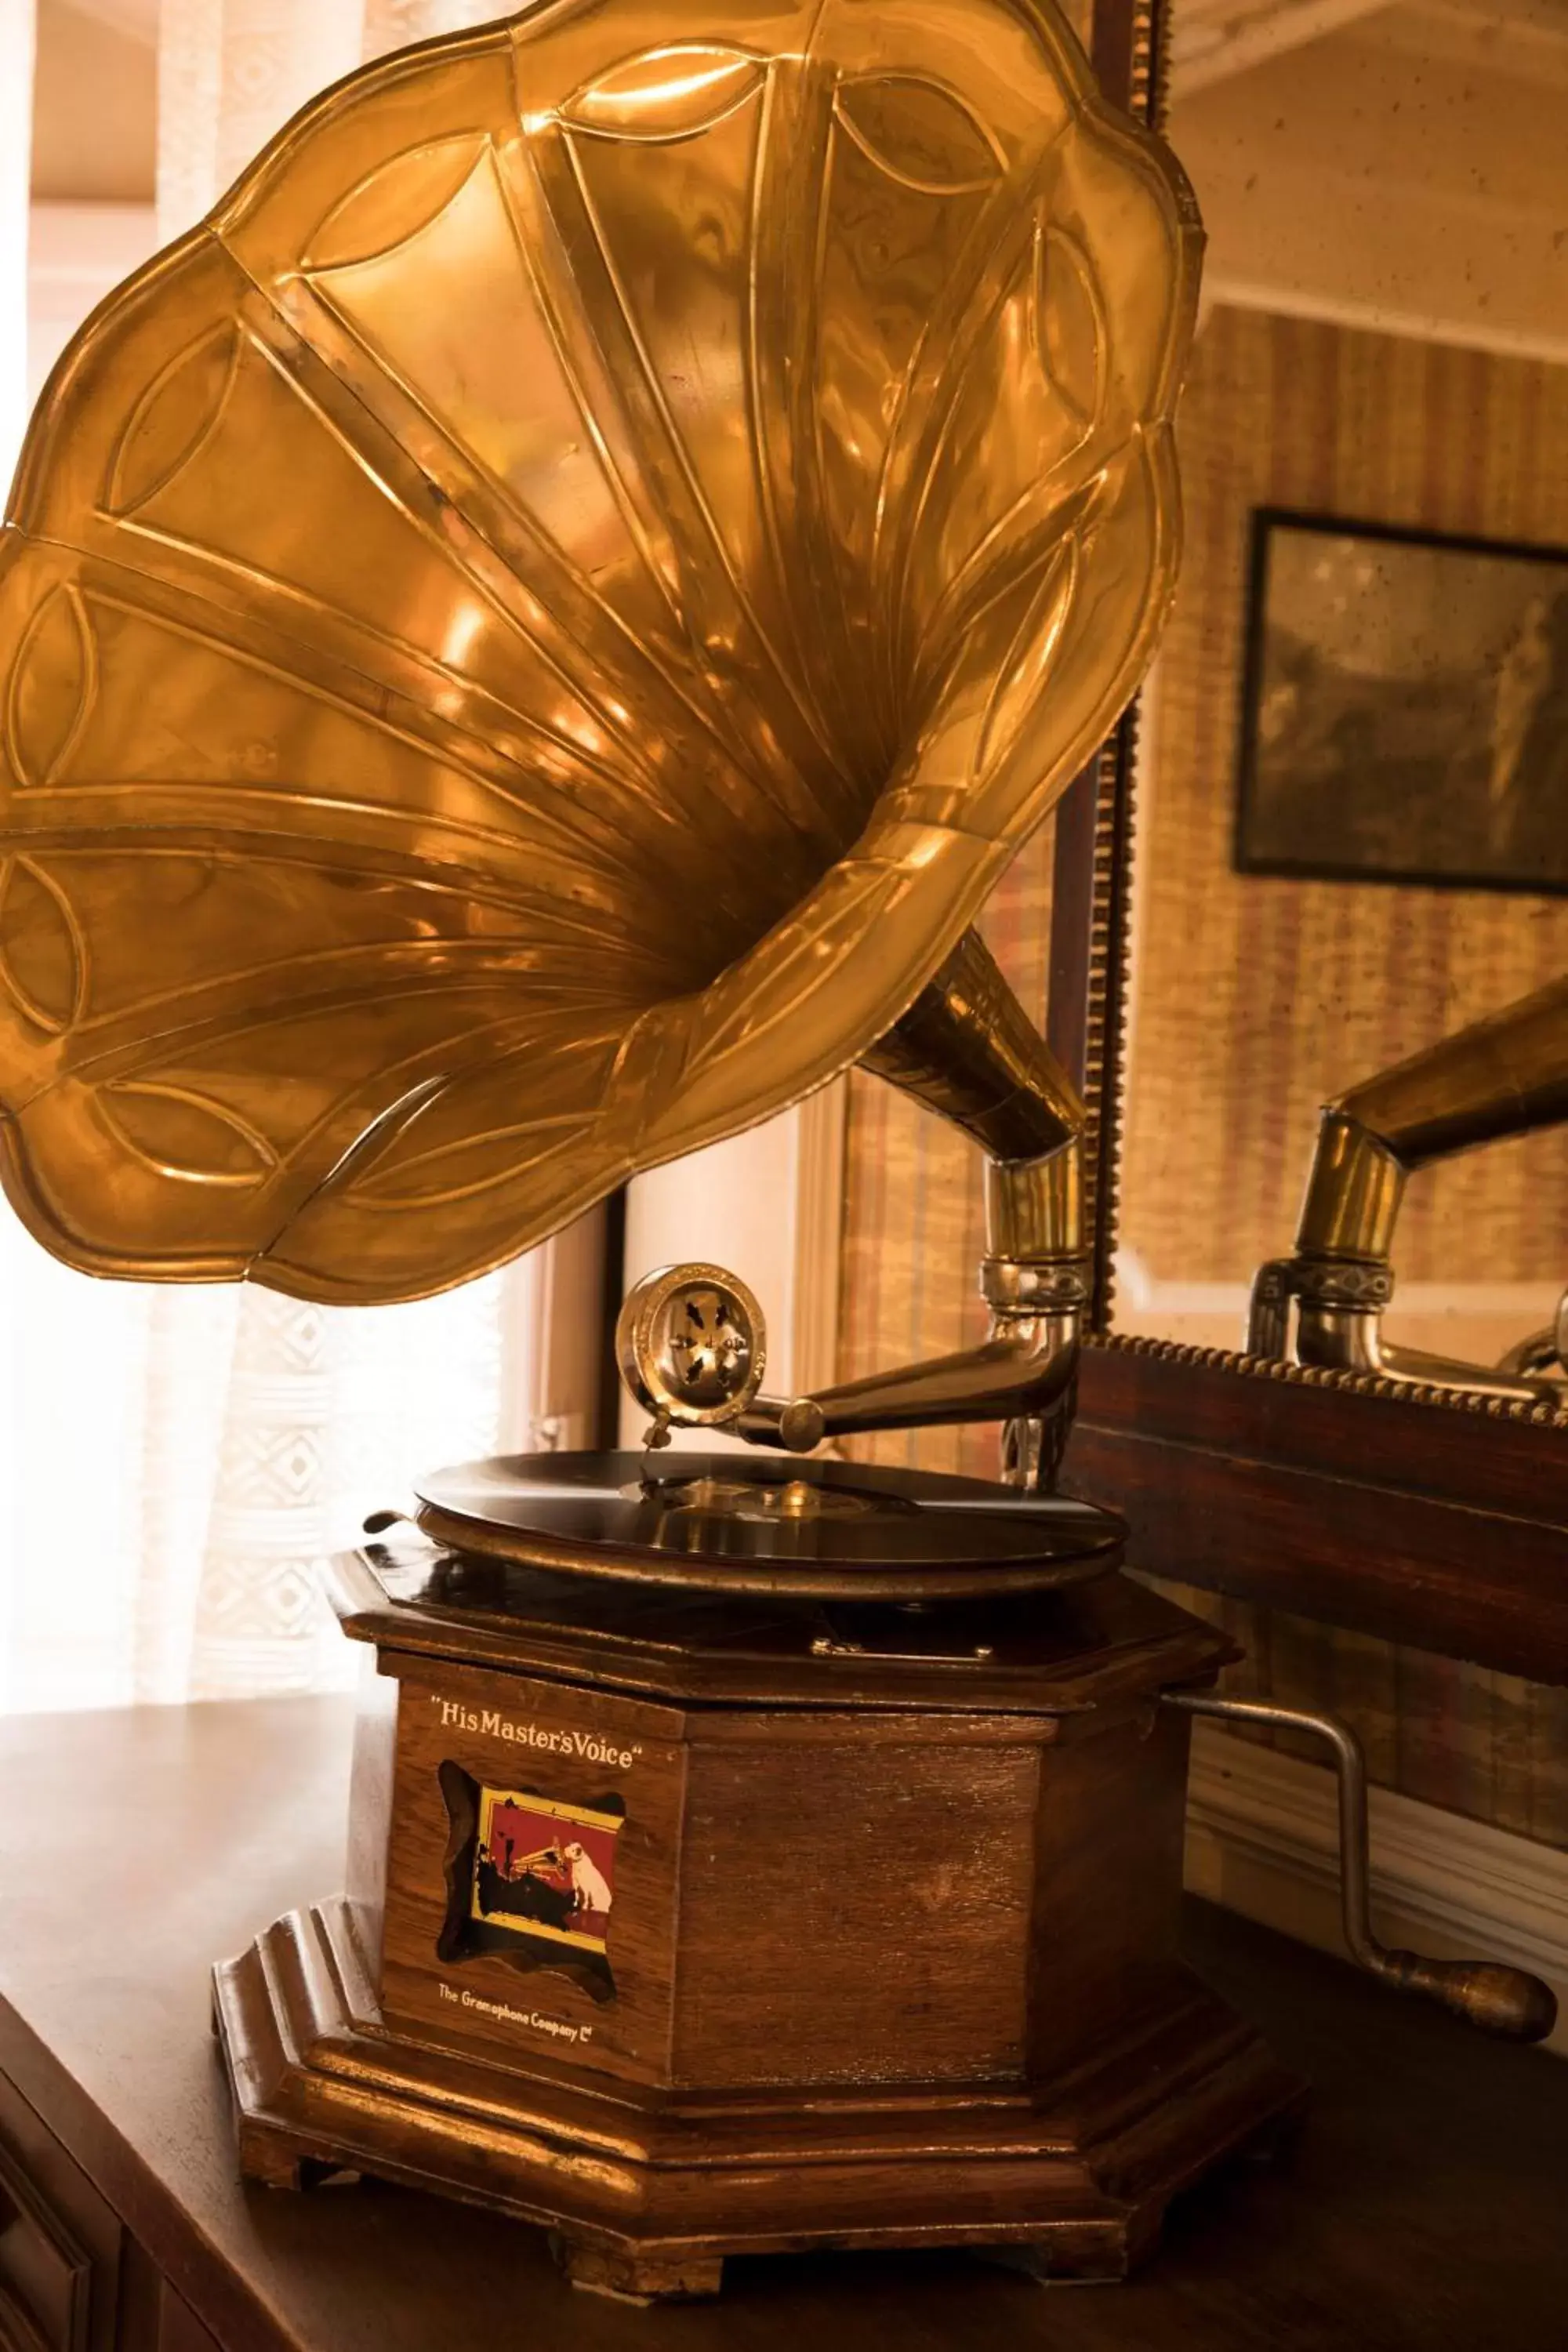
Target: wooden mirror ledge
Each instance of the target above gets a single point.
(1437, 1521)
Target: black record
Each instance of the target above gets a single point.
(775, 1523)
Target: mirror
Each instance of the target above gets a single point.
(1350, 834)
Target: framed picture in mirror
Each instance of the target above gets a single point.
(1404, 707)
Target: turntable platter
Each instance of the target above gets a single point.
(786, 1524)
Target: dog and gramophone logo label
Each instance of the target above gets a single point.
(531, 1876)
(545, 1870)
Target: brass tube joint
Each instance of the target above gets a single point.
(1034, 1208)
(1505, 1076)
(1339, 1280)
(1354, 1193)
(1035, 1283)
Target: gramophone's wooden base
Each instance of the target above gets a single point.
(690, 1926)
(645, 2195)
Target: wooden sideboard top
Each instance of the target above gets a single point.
(1422, 2211)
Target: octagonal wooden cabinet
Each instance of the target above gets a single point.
(690, 1926)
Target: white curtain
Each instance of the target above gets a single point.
(177, 1461)
(17, 25)
(231, 72)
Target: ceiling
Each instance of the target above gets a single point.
(1398, 163)
(1213, 40)
(1398, 166)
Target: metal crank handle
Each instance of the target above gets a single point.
(1503, 2001)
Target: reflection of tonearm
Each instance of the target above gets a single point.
(1502, 1076)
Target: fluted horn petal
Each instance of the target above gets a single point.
(526, 638)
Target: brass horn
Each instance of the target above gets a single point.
(526, 638)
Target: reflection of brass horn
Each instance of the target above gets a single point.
(531, 1860)
(526, 639)
(1502, 1076)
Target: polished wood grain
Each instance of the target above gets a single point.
(1417, 1523)
(898, 1972)
(60, 2244)
(654, 2197)
(1421, 2212)
(631, 2033)
(1090, 1646)
(1110, 1846)
(861, 1913)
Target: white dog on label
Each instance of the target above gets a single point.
(590, 1887)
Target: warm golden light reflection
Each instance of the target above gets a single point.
(550, 622)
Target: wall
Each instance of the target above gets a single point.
(95, 132)
(1485, 1745)
(77, 254)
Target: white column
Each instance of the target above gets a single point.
(768, 1206)
(326, 1412)
(230, 74)
(18, 19)
(732, 1205)
(395, 24)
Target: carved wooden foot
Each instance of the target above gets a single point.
(275, 2162)
(634, 2275)
(322, 2091)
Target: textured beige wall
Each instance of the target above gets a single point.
(1487, 1745)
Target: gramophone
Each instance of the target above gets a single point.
(526, 640)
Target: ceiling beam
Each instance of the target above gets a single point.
(1212, 40)
(136, 19)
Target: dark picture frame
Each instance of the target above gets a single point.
(1404, 707)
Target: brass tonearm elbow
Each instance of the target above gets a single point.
(1502, 1076)
(966, 1049)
